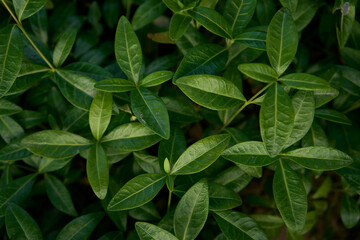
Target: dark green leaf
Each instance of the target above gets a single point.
(222, 198)
(290, 4)
(8, 108)
(333, 116)
(128, 50)
(151, 111)
(290, 196)
(156, 78)
(192, 211)
(10, 129)
(276, 119)
(97, 170)
(349, 211)
(319, 158)
(254, 39)
(100, 114)
(137, 191)
(178, 25)
(115, 85)
(147, 231)
(63, 46)
(147, 12)
(304, 81)
(200, 155)
(58, 195)
(55, 143)
(212, 21)
(281, 41)
(13, 151)
(81, 227)
(26, 8)
(20, 224)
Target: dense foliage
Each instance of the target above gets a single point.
(179, 119)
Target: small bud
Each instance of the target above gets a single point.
(167, 165)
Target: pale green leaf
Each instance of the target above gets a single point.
(63, 46)
(27, 8)
(259, 71)
(304, 81)
(156, 78)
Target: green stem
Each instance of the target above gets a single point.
(169, 200)
(18, 23)
(250, 101)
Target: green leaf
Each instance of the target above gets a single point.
(289, 4)
(115, 85)
(156, 78)
(11, 56)
(27, 8)
(236, 225)
(304, 81)
(333, 116)
(20, 224)
(81, 227)
(249, 154)
(151, 111)
(253, 39)
(138, 191)
(305, 12)
(8, 108)
(14, 151)
(348, 18)
(63, 46)
(290, 196)
(281, 41)
(148, 163)
(304, 108)
(172, 5)
(10, 129)
(178, 25)
(77, 89)
(316, 136)
(192, 211)
(55, 143)
(58, 195)
(100, 114)
(147, 231)
(131, 137)
(181, 110)
(213, 92)
(222, 198)
(16, 191)
(50, 165)
(259, 71)
(204, 59)
(212, 21)
(128, 50)
(349, 211)
(97, 170)
(200, 155)
(111, 12)
(319, 158)
(147, 12)
(276, 119)
(239, 13)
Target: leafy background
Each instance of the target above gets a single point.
(179, 119)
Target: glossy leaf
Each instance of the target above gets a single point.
(222, 198)
(77, 89)
(20, 224)
(156, 78)
(237, 225)
(333, 116)
(239, 13)
(203, 59)
(290, 4)
(151, 111)
(178, 25)
(11, 55)
(81, 227)
(212, 21)
(8, 108)
(14, 151)
(319, 158)
(97, 170)
(115, 85)
(316, 136)
(148, 163)
(147, 12)
(304, 108)
(128, 50)
(137, 191)
(100, 114)
(63, 46)
(281, 41)
(58, 195)
(130, 137)
(249, 153)
(290, 196)
(304, 81)
(210, 91)
(276, 119)
(253, 39)
(55, 143)
(259, 71)
(192, 211)
(27, 8)
(16, 191)
(147, 231)
(200, 155)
